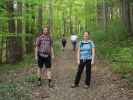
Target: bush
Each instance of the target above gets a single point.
(116, 46)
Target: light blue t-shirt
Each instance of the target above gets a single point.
(86, 49)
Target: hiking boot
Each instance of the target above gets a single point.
(50, 85)
(87, 86)
(74, 86)
(39, 83)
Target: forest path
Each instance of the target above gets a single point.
(104, 85)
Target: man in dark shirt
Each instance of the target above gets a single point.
(43, 54)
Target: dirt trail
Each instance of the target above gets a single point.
(103, 86)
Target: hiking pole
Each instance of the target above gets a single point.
(94, 73)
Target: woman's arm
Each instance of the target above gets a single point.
(78, 56)
(93, 55)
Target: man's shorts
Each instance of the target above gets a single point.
(44, 61)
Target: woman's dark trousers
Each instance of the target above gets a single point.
(87, 64)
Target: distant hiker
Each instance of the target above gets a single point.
(64, 41)
(43, 54)
(85, 58)
(74, 40)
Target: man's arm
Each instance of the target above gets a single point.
(36, 48)
(52, 51)
(36, 52)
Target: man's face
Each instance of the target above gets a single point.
(45, 31)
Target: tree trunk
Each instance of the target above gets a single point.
(19, 29)
(64, 23)
(12, 41)
(1, 43)
(1, 49)
(23, 30)
(102, 14)
(50, 20)
(40, 17)
(29, 39)
(126, 14)
(70, 16)
(131, 16)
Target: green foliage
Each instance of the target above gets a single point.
(27, 62)
(57, 46)
(13, 91)
(115, 45)
(31, 78)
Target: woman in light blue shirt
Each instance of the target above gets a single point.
(85, 58)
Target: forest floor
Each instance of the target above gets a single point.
(105, 85)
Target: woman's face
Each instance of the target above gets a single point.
(45, 31)
(86, 36)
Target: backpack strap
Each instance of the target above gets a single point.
(82, 43)
(90, 42)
